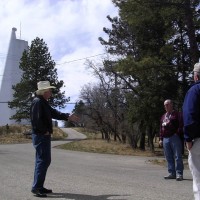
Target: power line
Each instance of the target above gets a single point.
(81, 59)
(12, 57)
(76, 59)
(8, 102)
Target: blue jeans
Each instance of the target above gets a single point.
(42, 145)
(173, 153)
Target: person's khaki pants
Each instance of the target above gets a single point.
(194, 165)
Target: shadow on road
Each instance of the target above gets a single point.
(86, 197)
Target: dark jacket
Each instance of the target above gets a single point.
(41, 116)
(174, 126)
(191, 112)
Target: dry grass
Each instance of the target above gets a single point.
(101, 146)
(15, 134)
(94, 143)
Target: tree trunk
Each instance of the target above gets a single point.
(142, 141)
(124, 138)
(191, 32)
(150, 138)
(142, 137)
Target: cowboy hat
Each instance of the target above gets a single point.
(43, 85)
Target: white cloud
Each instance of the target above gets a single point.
(70, 28)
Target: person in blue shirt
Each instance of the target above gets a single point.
(191, 120)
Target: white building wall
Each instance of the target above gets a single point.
(11, 76)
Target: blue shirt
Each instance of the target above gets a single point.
(191, 112)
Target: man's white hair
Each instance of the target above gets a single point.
(168, 101)
(41, 92)
(197, 73)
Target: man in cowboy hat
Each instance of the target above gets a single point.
(41, 120)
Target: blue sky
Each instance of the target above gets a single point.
(70, 28)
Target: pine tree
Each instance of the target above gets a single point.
(79, 108)
(157, 43)
(37, 65)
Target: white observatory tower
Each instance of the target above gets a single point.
(11, 76)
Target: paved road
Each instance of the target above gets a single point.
(88, 176)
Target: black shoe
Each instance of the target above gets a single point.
(170, 176)
(38, 193)
(45, 190)
(179, 177)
